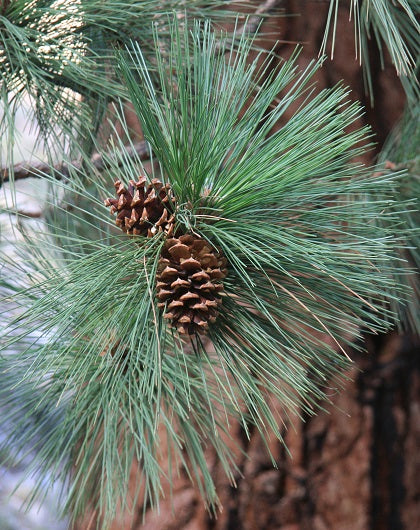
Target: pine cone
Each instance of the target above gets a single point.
(143, 210)
(189, 283)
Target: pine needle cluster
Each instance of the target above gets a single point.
(401, 151)
(309, 270)
(58, 54)
(392, 26)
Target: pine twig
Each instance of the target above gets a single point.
(255, 19)
(28, 214)
(62, 170)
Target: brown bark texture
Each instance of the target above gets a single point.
(355, 465)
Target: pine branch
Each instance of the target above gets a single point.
(262, 11)
(62, 170)
(262, 241)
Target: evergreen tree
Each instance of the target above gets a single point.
(238, 260)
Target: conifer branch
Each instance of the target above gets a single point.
(62, 169)
(131, 344)
(266, 8)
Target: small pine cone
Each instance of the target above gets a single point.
(143, 209)
(189, 284)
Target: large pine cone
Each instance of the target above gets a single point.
(143, 210)
(189, 283)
